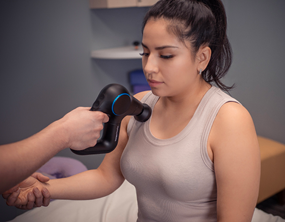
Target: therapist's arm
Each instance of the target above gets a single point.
(78, 130)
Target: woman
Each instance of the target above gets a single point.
(197, 158)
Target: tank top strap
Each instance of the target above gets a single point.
(210, 108)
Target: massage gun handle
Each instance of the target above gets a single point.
(110, 133)
(107, 143)
(109, 138)
(116, 102)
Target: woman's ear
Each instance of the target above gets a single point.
(203, 57)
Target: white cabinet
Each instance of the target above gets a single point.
(143, 3)
(120, 3)
(124, 52)
(127, 52)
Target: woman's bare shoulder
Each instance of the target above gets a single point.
(140, 95)
(233, 124)
(233, 114)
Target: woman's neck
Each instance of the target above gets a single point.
(190, 98)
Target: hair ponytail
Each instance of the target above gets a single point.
(202, 22)
(221, 50)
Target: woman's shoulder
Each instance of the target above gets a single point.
(233, 111)
(140, 95)
(233, 115)
(234, 124)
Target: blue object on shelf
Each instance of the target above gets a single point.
(137, 78)
(140, 88)
(138, 81)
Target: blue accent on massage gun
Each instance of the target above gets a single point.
(116, 102)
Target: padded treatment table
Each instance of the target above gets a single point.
(272, 179)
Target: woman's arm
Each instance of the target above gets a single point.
(95, 183)
(235, 149)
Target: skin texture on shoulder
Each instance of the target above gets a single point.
(234, 149)
(140, 95)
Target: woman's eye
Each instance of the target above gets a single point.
(161, 56)
(144, 54)
(166, 56)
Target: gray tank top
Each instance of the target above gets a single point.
(174, 178)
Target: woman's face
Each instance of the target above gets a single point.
(169, 65)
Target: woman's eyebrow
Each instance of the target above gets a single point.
(161, 47)
(143, 45)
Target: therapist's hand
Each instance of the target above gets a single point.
(29, 194)
(82, 127)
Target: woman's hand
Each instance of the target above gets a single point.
(30, 193)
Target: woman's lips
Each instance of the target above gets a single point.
(153, 83)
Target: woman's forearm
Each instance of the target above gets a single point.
(90, 184)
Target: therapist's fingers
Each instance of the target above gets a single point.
(7, 193)
(46, 199)
(40, 177)
(31, 201)
(12, 198)
(39, 197)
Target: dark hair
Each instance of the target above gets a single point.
(202, 22)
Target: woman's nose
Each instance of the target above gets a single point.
(150, 65)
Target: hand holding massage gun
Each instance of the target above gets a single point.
(116, 102)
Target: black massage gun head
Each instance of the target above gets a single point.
(145, 114)
(116, 101)
(108, 99)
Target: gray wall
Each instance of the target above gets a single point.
(257, 33)
(46, 69)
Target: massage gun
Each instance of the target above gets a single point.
(116, 102)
